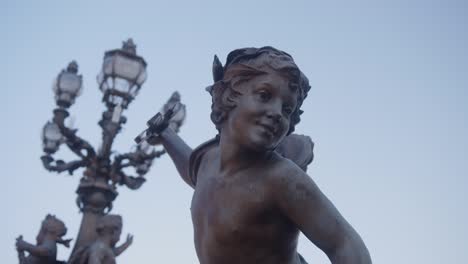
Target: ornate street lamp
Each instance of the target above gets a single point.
(122, 76)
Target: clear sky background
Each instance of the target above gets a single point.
(388, 112)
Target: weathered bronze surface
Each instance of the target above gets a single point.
(250, 201)
(103, 249)
(45, 251)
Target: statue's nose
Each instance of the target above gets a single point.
(274, 112)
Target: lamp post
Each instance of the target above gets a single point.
(122, 76)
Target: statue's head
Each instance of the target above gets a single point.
(244, 65)
(110, 225)
(52, 227)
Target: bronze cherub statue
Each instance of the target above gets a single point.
(252, 196)
(103, 250)
(45, 251)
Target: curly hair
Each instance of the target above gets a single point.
(244, 64)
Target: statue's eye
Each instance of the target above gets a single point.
(264, 96)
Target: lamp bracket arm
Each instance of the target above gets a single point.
(59, 165)
(132, 182)
(135, 158)
(132, 159)
(74, 142)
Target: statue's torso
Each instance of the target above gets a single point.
(236, 221)
(103, 252)
(47, 259)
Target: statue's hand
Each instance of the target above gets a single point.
(156, 125)
(129, 239)
(21, 245)
(154, 140)
(172, 115)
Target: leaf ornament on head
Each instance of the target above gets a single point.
(218, 73)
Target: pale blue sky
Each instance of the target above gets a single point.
(388, 111)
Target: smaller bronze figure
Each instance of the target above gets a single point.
(45, 251)
(103, 250)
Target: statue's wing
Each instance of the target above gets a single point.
(297, 148)
(197, 156)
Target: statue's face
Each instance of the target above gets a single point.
(116, 235)
(262, 114)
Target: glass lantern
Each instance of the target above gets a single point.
(67, 86)
(122, 75)
(51, 137)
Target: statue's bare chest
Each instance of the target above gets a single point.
(236, 218)
(230, 210)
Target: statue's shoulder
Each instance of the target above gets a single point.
(297, 148)
(197, 156)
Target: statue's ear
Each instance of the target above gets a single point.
(218, 70)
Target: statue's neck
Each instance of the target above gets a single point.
(234, 157)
